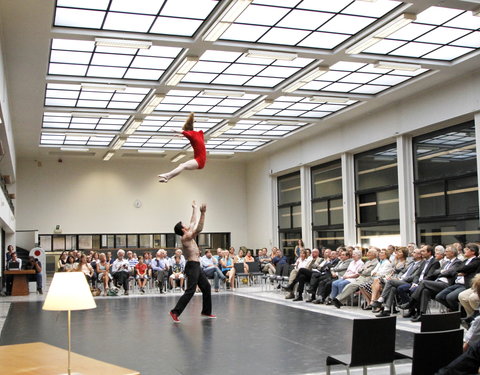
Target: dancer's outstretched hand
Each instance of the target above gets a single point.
(203, 208)
(194, 205)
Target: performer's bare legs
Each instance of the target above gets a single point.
(188, 165)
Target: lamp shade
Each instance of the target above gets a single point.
(69, 291)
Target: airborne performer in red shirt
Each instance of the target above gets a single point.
(199, 153)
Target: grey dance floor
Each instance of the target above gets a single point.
(249, 336)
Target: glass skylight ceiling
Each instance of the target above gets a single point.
(73, 95)
(171, 17)
(78, 140)
(164, 124)
(297, 106)
(82, 58)
(83, 121)
(237, 69)
(309, 23)
(360, 78)
(227, 82)
(438, 33)
(203, 102)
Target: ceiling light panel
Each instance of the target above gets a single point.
(200, 102)
(150, 142)
(172, 17)
(240, 69)
(85, 59)
(63, 120)
(437, 34)
(167, 124)
(360, 78)
(263, 128)
(229, 144)
(308, 23)
(73, 95)
(59, 139)
(301, 107)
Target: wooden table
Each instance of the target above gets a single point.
(20, 281)
(38, 358)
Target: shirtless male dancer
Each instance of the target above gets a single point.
(197, 142)
(193, 272)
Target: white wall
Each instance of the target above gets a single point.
(98, 197)
(448, 104)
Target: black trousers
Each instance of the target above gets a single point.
(121, 277)
(195, 276)
(467, 363)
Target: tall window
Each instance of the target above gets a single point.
(289, 212)
(446, 188)
(377, 197)
(327, 205)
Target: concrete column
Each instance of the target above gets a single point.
(306, 194)
(348, 191)
(406, 191)
(275, 241)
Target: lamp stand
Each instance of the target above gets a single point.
(69, 370)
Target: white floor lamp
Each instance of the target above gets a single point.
(69, 291)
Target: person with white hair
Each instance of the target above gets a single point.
(353, 271)
(160, 266)
(120, 271)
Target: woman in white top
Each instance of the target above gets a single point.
(86, 268)
(383, 270)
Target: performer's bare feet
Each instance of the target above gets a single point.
(162, 178)
(189, 123)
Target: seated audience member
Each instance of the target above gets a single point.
(210, 267)
(460, 250)
(301, 262)
(103, 272)
(178, 252)
(177, 272)
(62, 261)
(109, 257)
(228, 269)
(381, 271)
(467, 364)
(34, 264)
(160, 267)
(325, 285)
(93, 262)
(249, 258)
(465, 273)
(304, 275)
(240, 258)
(353, 271)
(70, 266)
(365, 275)
(14, 263)
(428, 289)
(470, 301)
(141, 274)
(132, 262)
(231, 250)
(265, 262)
(440, 254)
(410, 275)
(429, 268)
(86, 268)
(399, 265)
(472, 336)
(330, 260)
(10, 251)
(147, 259)
(121, 271)
(279, 261)
(218, 254)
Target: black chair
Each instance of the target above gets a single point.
(440, 322)
(373, 343)
(240, 273)
(433, 350)
(254, 270)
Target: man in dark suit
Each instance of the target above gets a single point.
(465, 273)
(428, 271)
(409, 275)
(428, 289)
